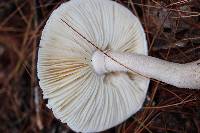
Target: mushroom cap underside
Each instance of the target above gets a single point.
(86, 101)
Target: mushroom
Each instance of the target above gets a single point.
(93, 66)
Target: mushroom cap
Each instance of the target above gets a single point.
(86, 101)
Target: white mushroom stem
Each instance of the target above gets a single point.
(180, 75)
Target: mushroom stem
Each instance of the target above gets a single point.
(180, 75)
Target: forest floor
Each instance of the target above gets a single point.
(173, 33)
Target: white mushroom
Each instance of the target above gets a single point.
(77, 95)
(88, 51)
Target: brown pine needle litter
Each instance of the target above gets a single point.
(173, 32)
